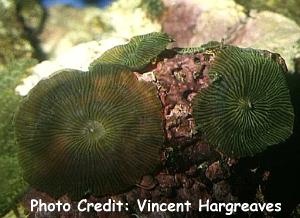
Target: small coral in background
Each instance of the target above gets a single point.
(137, 53)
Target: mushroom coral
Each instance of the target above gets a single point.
(137, 53)
(246, 107)
(92, 132)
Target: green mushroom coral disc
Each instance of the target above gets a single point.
(137, 53)
(92, 132)
(247, 106)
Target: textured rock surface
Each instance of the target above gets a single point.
(270, 31)
(193, 23)
(82, 25)
(78, 57)
(122, 19)
(196, 22)
(288, 8)
(13, 40)
(129, 18)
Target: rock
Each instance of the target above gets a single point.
(83, 25)
(222, 192)
(178, 79)
(217, 171)
(270, 31)
(78, 57)
(14, 39)
(33, 15)
(128, 18)
(192, 23)
(288, 8)
(124, 18)
(196, 22)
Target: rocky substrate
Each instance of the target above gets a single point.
(190, 169)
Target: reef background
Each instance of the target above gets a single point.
(36, 41)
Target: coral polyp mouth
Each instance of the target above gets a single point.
(93, 131)
(245, 104)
